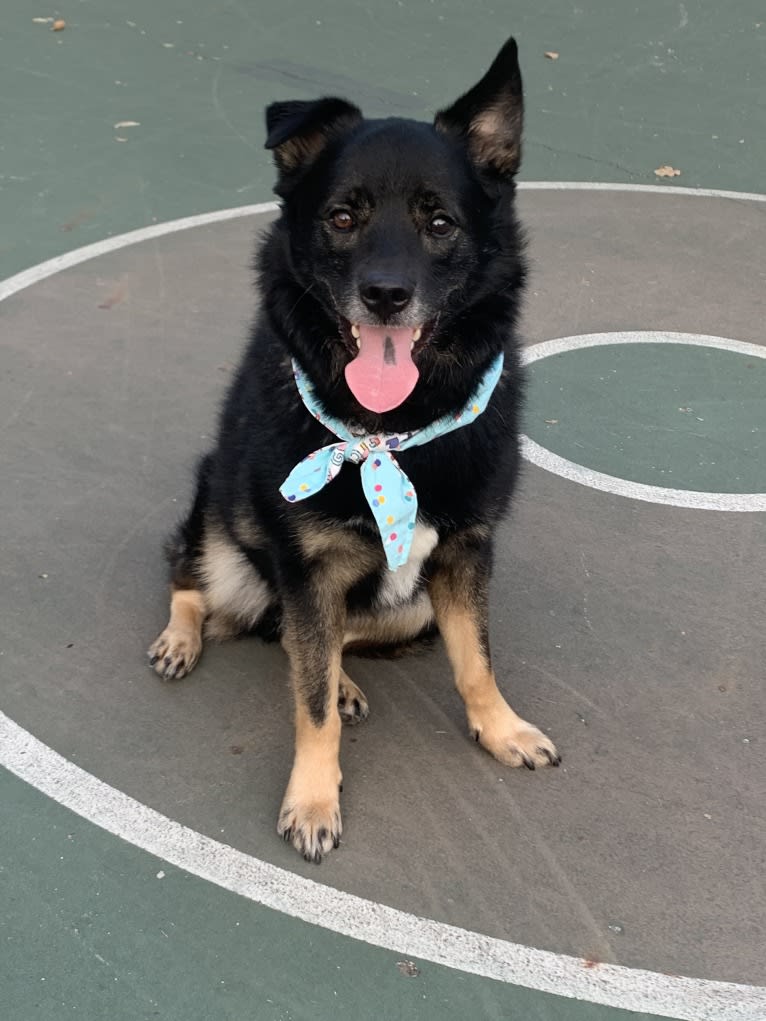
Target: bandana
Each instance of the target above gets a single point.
(387, 489)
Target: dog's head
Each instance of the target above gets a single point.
(400, 237)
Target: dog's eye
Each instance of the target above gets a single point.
(441, 226)
(342, 220)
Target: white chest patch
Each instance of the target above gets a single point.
(397, 586)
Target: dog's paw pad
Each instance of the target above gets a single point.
(513, 741)
(175, 653)
(352, 703)
(529, 747)
(313, 829)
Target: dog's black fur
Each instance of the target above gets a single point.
(407, 224)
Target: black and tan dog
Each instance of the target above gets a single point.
(391, 280)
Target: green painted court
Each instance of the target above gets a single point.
(140, 873)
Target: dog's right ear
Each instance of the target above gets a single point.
(298, 131)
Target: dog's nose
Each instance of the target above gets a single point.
(385, 295)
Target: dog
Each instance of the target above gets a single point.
(369, 443)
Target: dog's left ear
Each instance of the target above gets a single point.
(488, 118)
(298, 131)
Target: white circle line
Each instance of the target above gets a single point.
(691, 499)
(559, 345)
(574, 472)
(672, 996)
(34, 274)
(678, 997)
(649, 189)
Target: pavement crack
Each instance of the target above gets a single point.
(591, 159)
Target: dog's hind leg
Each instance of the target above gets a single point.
(352, 702)
(175, 653)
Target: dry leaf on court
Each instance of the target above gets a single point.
(117, 295)
(551, 55)
(127, 124)
(58, 24)
(667, 171)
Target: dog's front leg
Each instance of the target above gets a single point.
(459, 591)
(313, 639)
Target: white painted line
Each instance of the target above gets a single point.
(61, 262)
(692, 499)
(561, 344)
(35, 274)
(650, 189)
(672, 996)
(688, 498)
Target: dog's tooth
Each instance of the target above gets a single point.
(416, 335)
(355, 331)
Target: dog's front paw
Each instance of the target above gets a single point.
(313, 827)
(512, 740)
(175, 653)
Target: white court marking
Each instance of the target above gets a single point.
(61, 262)
(689, 498)
(673, 996)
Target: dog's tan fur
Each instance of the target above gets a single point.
(316, 631)
(176, 651)
(460, 600)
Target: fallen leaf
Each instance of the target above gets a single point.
(59, 24)
(551, 421)
(551, 55)
(42, 21)
(118, 294)
(667, 171)
(78, 218)
(127, 124)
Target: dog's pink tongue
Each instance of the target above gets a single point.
(383, 374)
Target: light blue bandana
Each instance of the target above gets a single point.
(387, 489)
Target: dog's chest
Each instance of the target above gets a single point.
(397, 587)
